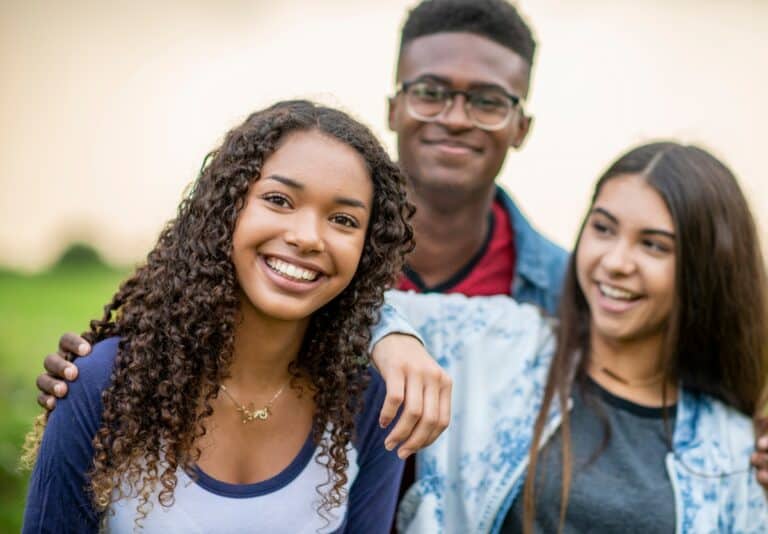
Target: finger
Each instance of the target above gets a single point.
(50, 386)
(427, 423)
(59, 367)
(762, 478)
(762, 443)
(760, 461)
(395, 394)
(46, 401)
(410, 415)
(73, 343)
(444, 417)
(762, 425)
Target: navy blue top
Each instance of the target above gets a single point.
(58, 500)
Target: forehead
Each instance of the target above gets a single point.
(320, 162)
(635, 203)
(464, 59)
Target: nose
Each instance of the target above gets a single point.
(618, 259)
(305, 233)
(455, 116)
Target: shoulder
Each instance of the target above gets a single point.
(523, 225)
(83, 400)
(718, 439)
(536, 252)
(456, 311)
(367, 421)
(96, 368)
(369, 436)
(704, 419)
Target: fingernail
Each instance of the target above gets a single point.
(58, 390)
(403, 453)
(49, 404)
(389, 445)
(383, 423)
(82, 349)
(69, 373)
(762, 443)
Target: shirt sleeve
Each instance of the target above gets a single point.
(373, 495)
(58, 500)
(391, 321)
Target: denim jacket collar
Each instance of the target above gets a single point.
(531, 266)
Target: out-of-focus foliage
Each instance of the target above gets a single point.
(34, 311)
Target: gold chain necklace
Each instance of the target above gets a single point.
(250, 413)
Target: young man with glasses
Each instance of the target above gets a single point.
(463, 73)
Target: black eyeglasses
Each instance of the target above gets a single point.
(489, 108)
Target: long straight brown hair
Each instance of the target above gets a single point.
(717, 337)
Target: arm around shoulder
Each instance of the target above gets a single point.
(58, 498)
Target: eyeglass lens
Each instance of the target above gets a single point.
(486, 107)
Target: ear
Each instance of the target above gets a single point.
(523, 127)
(391, 112)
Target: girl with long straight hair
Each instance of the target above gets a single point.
(631, 412)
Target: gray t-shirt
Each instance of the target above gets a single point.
(625, 489)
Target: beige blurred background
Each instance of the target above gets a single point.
(107, 108)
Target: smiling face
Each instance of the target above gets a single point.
(626, 261)
(299, 238)
(451, 152)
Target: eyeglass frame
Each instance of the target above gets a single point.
(518, 103)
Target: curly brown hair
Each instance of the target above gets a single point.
(176, 318)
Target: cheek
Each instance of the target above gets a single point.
(348, 254)
(587, 256)
(500, 143)
(664, 283)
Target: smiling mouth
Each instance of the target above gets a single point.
(617, 293)
(291, 271)
(451, 145)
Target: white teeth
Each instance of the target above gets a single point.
(615, 292)
(292, 271)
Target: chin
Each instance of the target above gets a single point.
(288, 311)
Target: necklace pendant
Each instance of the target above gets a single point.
(250, 413)
(262, 414)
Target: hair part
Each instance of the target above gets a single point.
(496, 20)
(176, 317)
(717, 336)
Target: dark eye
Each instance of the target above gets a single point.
(345, 220)
(277, 199)
(656, 246)
(600, 227)
(428, 92)
(489, 100)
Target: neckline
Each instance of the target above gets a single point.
(647, 412)
(462, 273)
(256, 489)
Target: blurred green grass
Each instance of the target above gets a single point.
(34, 311)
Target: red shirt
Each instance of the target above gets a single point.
(490, 272)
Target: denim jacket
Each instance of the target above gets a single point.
(497, 352)
(540, 265)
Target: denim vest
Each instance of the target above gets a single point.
(540, 264)
(498, 352)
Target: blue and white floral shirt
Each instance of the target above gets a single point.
(497, 352)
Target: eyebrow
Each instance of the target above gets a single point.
(295, 184)
(446, 81)
(647, 231)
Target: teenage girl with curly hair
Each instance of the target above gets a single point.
(229, 389)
